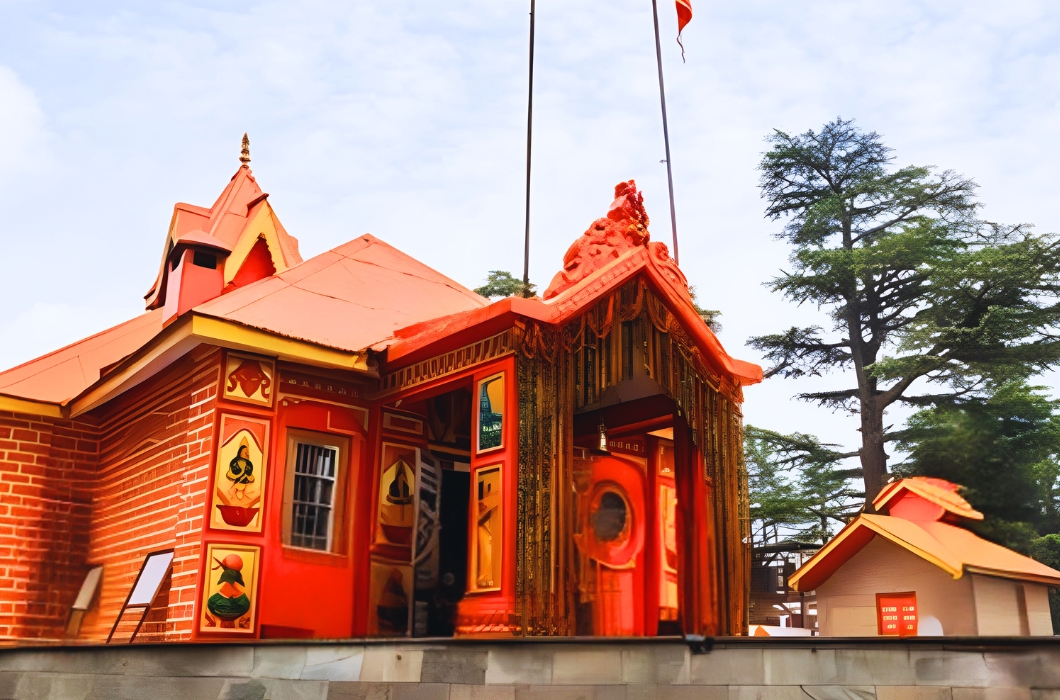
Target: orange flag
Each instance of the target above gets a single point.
(684, 16)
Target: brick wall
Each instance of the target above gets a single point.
(155, 446)
(46, 471)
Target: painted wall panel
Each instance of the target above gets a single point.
(1039, 621)
(996, 606)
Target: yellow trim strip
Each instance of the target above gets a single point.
(221, 332)
(36, 408)
(793, 581)
(194, 329)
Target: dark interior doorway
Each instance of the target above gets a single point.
(449, 443)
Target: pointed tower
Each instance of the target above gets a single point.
(208, 252)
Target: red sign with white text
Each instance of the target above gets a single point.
(896, 614)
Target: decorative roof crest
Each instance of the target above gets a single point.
(625, 227)
(244, 155)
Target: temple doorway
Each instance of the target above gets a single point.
(449, 443)
(625, 521)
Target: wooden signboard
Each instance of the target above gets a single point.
(896, 614)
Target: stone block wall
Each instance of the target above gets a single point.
(733, 669)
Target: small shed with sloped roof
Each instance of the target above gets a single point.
(915, 568)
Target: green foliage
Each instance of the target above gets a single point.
(501, 284)
(1003, 449)
(709, 316)
(1047, 551)
(913, 285)
(797, 489)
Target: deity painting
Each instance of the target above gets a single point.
(487, 550)
(249, 379)
(229, 593)
(491, 413)
(391, 599)
(397, 492)
(239, 474)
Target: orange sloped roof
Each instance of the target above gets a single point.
(953, 549)
(349, 298)
(938, 491)
(65, 373)
(202, 238)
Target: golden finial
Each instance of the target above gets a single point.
(244, 155)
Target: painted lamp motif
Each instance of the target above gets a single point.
(230, 602)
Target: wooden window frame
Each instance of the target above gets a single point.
(339, 515)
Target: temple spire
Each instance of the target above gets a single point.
(244, 155)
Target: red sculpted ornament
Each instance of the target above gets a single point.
(624, 228)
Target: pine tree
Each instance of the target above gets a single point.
(1002, 449)
(925, 302)
(798, 491)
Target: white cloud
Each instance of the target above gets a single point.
(23, 137)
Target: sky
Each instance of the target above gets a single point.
(407, 119)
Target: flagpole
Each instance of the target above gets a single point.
(529, 141)
(666, 128)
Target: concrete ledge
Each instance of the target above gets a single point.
(511, 669)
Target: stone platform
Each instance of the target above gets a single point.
(633, 669)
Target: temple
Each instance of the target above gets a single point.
(356, 445)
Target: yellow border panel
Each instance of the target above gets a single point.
(36, 408)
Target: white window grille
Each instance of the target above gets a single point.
(313, 505)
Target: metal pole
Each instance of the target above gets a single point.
(529, 141)
(666, 129)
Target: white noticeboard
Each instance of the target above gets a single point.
(152, 574)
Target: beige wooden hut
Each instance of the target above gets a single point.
(914, 568)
